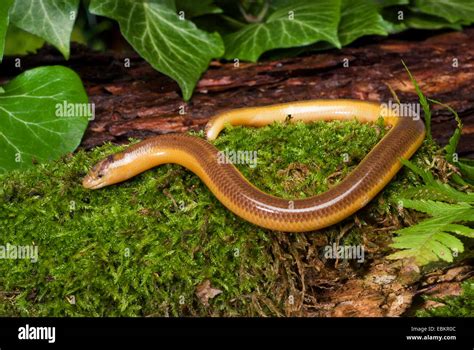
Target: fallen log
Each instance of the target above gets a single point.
(138, 101)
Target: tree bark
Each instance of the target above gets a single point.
(138, 101)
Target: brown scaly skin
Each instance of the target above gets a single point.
(247, 201)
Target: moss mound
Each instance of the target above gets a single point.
(142, 247)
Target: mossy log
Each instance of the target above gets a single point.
(132, 250)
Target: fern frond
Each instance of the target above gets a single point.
(433, 188)
(432, 239)
(437, 208)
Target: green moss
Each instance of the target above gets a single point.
(142, 247)
(454, 306)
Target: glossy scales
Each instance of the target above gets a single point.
(255, 206)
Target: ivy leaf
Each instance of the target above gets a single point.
(193, 8)
(30, 127)
(452, 10)
(4, 19)
(359, 18)
(387, 3)
(172, 46)
(296, 24)
(392, 23)
(424, 21)
(51, 20)
(413, 18)
(19, 42)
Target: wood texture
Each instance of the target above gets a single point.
(137, 101)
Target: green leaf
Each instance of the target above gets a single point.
(425, 175)
(19, 42)
(359, 18)
(51, 20)
(423, 101)
(31, 129)
(297, 24)
(387, 3)
(440, 191)
(460, 230)
(412, 18)
(172, 46)
(393, 27)
(4, 19)
(467, 168)
(450, 149)
(428, 241)
(450, 241)
(452, 10)
(434, 188)
(221, 24)
(438, 208)
(424, 21)
(452, 145)
(193, 8)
